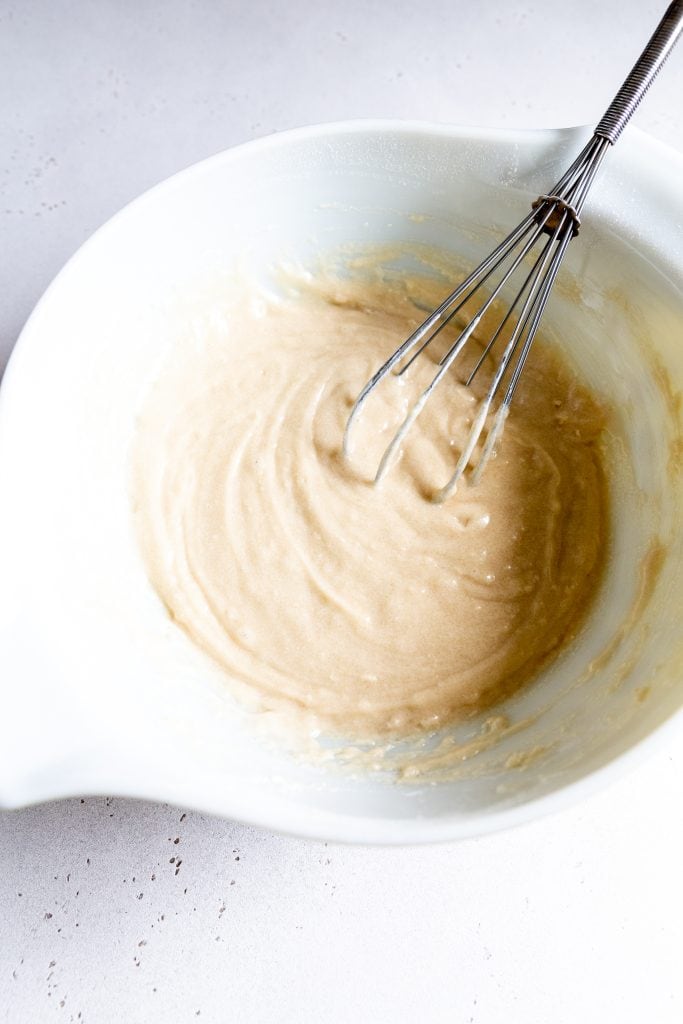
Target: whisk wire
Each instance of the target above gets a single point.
(480, 361)
(529, 314)
(463, 302)
(431, 321)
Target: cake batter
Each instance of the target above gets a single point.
(363, 611)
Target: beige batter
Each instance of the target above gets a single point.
(365, 611)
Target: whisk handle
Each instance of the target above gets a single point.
(643, 73)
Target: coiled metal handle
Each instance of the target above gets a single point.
(643, 73)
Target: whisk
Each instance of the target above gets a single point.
(533, 252)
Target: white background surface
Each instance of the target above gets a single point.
(573, 920)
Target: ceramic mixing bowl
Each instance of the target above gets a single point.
(101, 693)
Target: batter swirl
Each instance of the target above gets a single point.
(369, 611)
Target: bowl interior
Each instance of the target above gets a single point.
(139, 710)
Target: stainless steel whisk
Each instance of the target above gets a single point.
(552, 223)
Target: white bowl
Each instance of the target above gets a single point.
(100, 693)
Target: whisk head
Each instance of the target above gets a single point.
(532, 253)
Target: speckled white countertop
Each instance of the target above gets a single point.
(112, 910)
